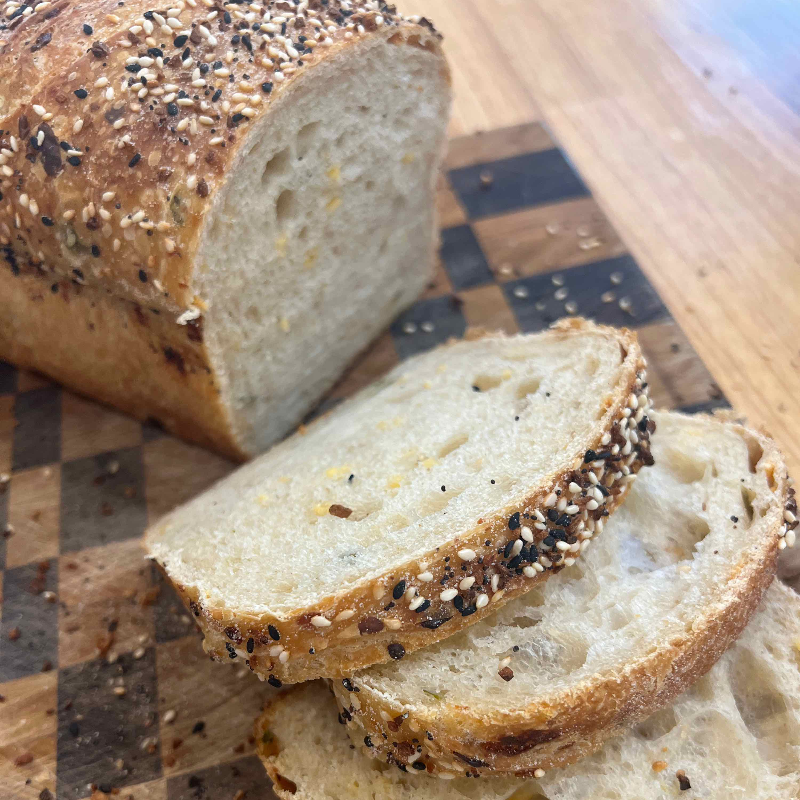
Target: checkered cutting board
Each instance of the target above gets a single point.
(105, 688)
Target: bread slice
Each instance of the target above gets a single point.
(735, 735)
(208, 212)
(648, 610)
(416, 508)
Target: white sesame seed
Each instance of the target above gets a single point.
(467, 555)
(425, 577)
(616, 278)
(538, 773)
(572, 510)
(561, 294)
(482, 600)
(319, 621)
(343, 615)
(516, 547)
(562, 546)
(392, 624)
(40, 110)
(561, 504)
(520, 291)
(206, 121)
(284, 657)
(574, 488)
(275, 650)
(447, 595)
(781, 544)
(789, 516)
(550, 501)
(545, 562)
(790, 538)
(466, 583)
(416, 603)
(526, 533)
(169, 716)
(216, 141)
(592, 505)
(605, 439)
(528, 572)
(410, 593)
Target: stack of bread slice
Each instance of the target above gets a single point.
(426, 548)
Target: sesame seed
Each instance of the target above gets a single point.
(447, 595)
(616, 278)
(482, 600)
(520, 292)
(526, 533)
(416, 603)
(550, 501)
(467, 555)
(466, 583)
(425, 577)
(392, 624)
(319, 621)
(538, 773)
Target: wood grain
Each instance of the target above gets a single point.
(683, 121)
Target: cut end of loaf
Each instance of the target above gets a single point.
(325, 229)
(476, 547)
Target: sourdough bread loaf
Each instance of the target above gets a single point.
(464, 478)
(646, 612)
(208, 209)
(735, 734)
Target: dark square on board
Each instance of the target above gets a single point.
(102, 499)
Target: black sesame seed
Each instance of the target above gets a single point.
(515, 562)
(424, 606)
(513, 521)
(54, 288)
(172, 109)
(266, 87)
(74, 729)
(142, 276)
(590, 456)
(444, 488)
(273, 681)
(564, 520)
(216, 96)
(548, 541)
(350, 479)
(347, 683)
(468, 610)
(643, 424)
(433, 624)
(74, 161)
(734, 518)
(95, 251)
(199, 727)
(48, 222)
(552, 515)
(135, 160)
(396, 651)
(368, 741)
(508, 548)
(399, 590)
(251, 644)
(418, 765)
(88, 30)
(458, 602)
(274, 633)
(475, 388)
(180, 41)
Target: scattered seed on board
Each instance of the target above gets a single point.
(409, 327)
(616, 278)
(520, 291)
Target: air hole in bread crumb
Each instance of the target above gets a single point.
(305, 138)
(486, 383)
(369, 186)
(453, 444)
(748, 495)
(754, 451)
(437, 501)
(524, 622)
(285, 206)
(657, 725)
(698, 529)
(277, 165)
(683, 467)
(527, 388)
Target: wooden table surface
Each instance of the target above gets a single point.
(682, 117)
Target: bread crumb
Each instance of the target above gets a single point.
(333, 204)
(321, 509)
(335, 174)
(659, 766)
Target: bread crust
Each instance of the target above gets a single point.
(373, 621)
(568, 726)
(106, 181)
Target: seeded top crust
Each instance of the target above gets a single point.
(107, 172)
(444, 441)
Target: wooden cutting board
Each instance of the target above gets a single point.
(103, 680)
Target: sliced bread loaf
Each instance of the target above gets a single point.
(648, 610)
(735, 735)
(209, 209)
(462, 479)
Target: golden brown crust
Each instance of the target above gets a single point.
(565, 728)
(118, 125)
(401, 611)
